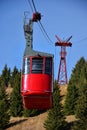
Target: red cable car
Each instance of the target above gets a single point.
(37, 80)
(37, 75)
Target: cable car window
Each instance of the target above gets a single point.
(26, 66)
(48, 66)
(37, 65)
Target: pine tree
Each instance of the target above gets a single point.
(16, 107)
(4, 113)
(32, 112)
(71, 99)
(81, 107)
(56, 119)
(73, 88)
(6, 75)
(13, 76)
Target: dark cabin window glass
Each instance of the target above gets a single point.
(48, 66)
(37, 65)
(26, 66)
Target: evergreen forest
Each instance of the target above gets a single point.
(75, 100)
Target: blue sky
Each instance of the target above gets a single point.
(61, 17)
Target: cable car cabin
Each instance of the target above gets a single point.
(37, 80)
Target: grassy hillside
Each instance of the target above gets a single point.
(31, 123)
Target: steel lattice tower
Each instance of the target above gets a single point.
(62, 73)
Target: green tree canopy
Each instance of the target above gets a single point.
(73, 87)
(4, 113)
(16, 107)
(6, 75)
(81, 107)
(56, 119)
(13, 76)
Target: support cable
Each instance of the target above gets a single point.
(85, 38)
(30, 6)
(40, 24)
(34, 6)
(45, 32)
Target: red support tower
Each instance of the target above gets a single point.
(62, 73)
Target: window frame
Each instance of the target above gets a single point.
(37, 65)
(43, 65)
(48, 66)
(26, 65)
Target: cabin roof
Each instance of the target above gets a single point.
(31, 52)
